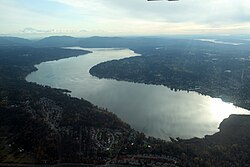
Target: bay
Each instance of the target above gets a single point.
(153, 109)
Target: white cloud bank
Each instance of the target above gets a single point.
(136, 17)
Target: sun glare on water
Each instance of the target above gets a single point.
(221, 110)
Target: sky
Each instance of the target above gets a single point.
(81, 18)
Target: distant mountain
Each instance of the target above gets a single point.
(57, 41)
(134, 43)
(14, 41)
(97, 41)
(91, 42)
(119, 42)
(63, 41)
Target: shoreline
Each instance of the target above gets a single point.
(195, 92)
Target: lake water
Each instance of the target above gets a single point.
(219, 42)
(154, 110)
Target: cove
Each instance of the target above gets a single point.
(153, 109)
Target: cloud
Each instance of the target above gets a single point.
(125, 17)
(163, 17)
(209, 11)
(30, 30)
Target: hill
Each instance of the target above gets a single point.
(56, 41)
(14, 41)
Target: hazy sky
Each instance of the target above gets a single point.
(33, 18)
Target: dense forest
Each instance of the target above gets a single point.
(34, 118)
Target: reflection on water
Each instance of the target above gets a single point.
(155, 110)
(219, 42)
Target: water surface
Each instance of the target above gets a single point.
(219, 42)
(155, 110)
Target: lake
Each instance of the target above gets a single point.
(155, 110)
